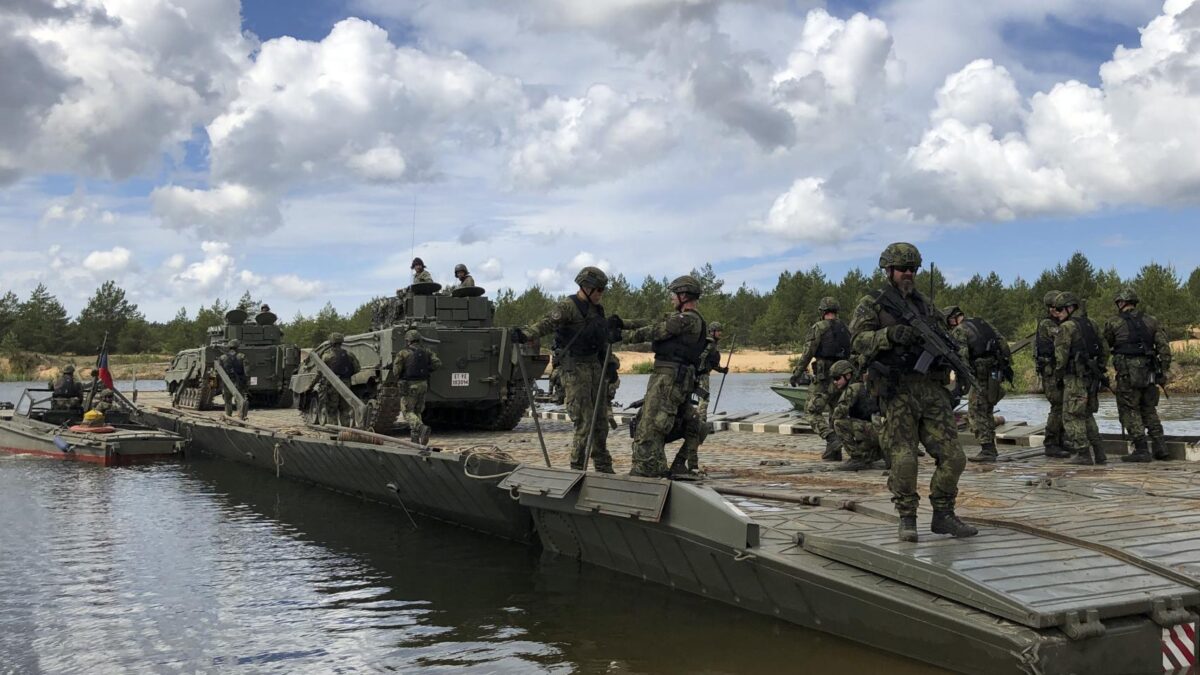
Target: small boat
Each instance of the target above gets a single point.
(34, 427)
(797, 396)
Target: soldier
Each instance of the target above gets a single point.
(465, 280)
(853, 419)
(916, 406)
(679, 341)
(613, 377)
(1081, 362)
(104, 401)
(234, 363)
(710, 361)
(583, 335)
(986, 350)
(420, 274)
(1052, 388)
(344, 365)
(67, 391)
(828, 341)
(1141, 356)
(413, 366)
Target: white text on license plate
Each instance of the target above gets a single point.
(460, 379)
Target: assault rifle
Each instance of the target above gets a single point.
(934, 338)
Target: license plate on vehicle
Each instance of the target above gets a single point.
(460, 379)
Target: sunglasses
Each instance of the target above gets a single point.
(905, 268)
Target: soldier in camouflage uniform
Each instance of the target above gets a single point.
(852, 419)
(710, 361)
(986, 351)
(583, 334)
(344, 364)
(828, 341)
(420, 275)
(465, 280)
(412, 366)
(1081, 362)
(917, 407)
(234, 363)
(67, 391)
(1141, 356)
(1052, 387)
(679, 341)
(613, 378)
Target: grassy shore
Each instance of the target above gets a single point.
(34, 367)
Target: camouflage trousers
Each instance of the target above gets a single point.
(582, 382)
(922, 411)
(981, 405)
(412, 403)
(337, 409)
(860, 439)
(692, 443)
(227, 396)
(1052, 388)
(1078, 414)
(667, 396)
(1138, 409)
(819, 407)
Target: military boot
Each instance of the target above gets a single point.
(945, 522)
(908, 528)
(1083, 457)
(833, 449)
(1098, 451)
(229, 408)
(679, 466)
(854, 464)
(1056, 452)
(1160, 449)
(1141, 452)
(987, 453)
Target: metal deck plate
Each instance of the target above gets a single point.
(541, 480)
(1031, 580)
(628, 496)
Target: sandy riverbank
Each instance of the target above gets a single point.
(744, 361)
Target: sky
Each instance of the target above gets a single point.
(195, 149)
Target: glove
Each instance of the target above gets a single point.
(725, 371)
(901, 334)
(794, 380)
(1162, 379)
(518, 335)
(615, 323)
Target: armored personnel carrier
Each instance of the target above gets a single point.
(479, 385)
(192, 377)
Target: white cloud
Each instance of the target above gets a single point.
(294, 288)
(227, 210)
(212, 274)
(489, 270)
(111, 262)
(980, 93)
(805, 214)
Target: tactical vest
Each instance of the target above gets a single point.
(712, 358)
(591, 338)
(418, 364)
(1137, 339)
(902, 357)
(66, 387)
(340, 363)
(835, 342)
(1043, 346)
(233, 366)
(982, 339)
(682, 349)
(1086, 350)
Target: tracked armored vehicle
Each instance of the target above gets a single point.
(192, 377)
(478, 387)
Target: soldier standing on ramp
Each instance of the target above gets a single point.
(344, 365)
(828, 342)
(1141, 356)
(679, 341)
(710, 361)
(234, 363)
(1081, 362)
(916, 405)
(583, 334)
(1052, 387)
(986, 350)
(413, 366)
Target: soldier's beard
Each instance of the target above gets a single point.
(906, 286)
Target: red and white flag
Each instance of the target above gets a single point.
(102, 369)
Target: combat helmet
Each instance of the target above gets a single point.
(840, 368)
(415, 262)
(828, 304)
(412, 335)
(592, 278)
(1050, 298)
(460, 268)
(336, 338)
(69, 368)
(1127, 295)
(714, 327)
(900, 254)
(951, 311)
(233, 344)
(1066, 299)
(685, 284)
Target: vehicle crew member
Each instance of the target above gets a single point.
(854, 419)
(234, 363)
(583, 334)
(1052, 388)
(986, 351)
(419, 273)
(344, 365)
(916, 406)
(1081, 362)
(828, 342)
(710, 361)
(1141, 355)
(678, 341)
(67, 391)
(465, 280)
(412, 366)
(104, 400)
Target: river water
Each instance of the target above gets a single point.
(209, 566)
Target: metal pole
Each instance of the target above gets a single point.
(587, 453)
(537, 423)
(728, 358)
(96, 375)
